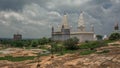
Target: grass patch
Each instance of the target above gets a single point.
(44, 54)
(109, 41)
(66, 52)
(104, 51)
(92, 45)
(115, 44)
(16, 59)
(69, 51)
(87, 52)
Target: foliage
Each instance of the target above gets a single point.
(114, 36)
(44, 40)
(71, 43)
(14, 59)
(55, 48)
(99, 37)
(34, 43)
(17, 43)
(108, 41)
(26, 42)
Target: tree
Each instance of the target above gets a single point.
(34, 43)
(99, 37)
(17, 43)
(114, 36)
(53, 49)
(71, 43)
(44, 40)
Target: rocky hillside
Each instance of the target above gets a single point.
(105, 57)
(101, 60)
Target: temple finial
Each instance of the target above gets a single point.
(81, 23)
(116, 27)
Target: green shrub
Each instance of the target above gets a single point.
(99, 37)
(114, 36)
(85, 46)
(108, 41)
(18, 43)
(71, 44)
(34, 43)
(44, 41)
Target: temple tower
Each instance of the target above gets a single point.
(65, 22)
(81, 23)
(92, 28)
(65, 26)
(17, 36)
(65, 30)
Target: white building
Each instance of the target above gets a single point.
(64, 32)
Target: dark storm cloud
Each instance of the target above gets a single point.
(18, 4)
(12, 4)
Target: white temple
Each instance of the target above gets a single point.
(65, 33)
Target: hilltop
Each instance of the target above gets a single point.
(104, 57)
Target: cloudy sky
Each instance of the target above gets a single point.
(33, 18)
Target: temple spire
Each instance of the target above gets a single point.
(92, 27)
(65, 21)
(81, 23)
(116, 27)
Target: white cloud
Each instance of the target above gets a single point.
(33, 18)
(115, 1)
(54, 13)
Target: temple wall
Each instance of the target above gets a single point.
(83, 37)
(60, 37)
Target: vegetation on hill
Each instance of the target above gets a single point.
(71, 46)
(71, 43)
(26, 43)
(99, 37)
(114, 36)
(68, 46)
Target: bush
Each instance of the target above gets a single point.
(56, 48)
(17, 43)
(71, 43)
(99, 37)
(44, 41)
(114, 36)
(34, 43)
